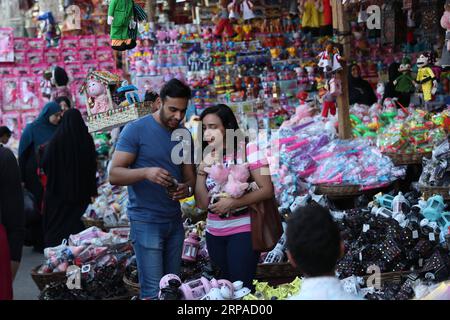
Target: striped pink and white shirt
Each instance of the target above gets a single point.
(222, 227)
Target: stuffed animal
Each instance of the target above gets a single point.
(445, 23)
(120, 17)
(97, 96)
(426, 77)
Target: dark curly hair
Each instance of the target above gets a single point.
(313, 239)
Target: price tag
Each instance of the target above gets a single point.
(415, 234)
(420, 262)
(366, 227)
(360, 256)
(431, 236)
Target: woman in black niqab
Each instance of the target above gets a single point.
(70, 165)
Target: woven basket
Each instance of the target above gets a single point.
(133, 288)
(267, 271)
(337, 190)
(429, 191)
(407, 158)
(118, 116)
(93, 223)
(44, 279)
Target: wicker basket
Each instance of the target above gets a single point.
(407, 158)
(93, 223)
(338, 191)
(118, 116)
(272, 271)
(44, 279)
(429, 191)
(133, 288)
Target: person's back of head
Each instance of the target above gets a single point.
(313, 241)
(5, 134)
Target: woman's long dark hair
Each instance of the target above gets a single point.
(228, 119)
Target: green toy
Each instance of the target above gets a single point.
(405, 82)
(121, 19)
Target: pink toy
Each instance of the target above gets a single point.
(196, 289)
(191, 246)
(161, 35)
(235, 188)
(140, 68)
(98, 98)
(219, 173)
(173, 35)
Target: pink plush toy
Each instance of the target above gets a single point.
(235, 188)
(161, 35)
(173, 35)
(98, 98)
(219, 173)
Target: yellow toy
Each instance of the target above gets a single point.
(425, 77)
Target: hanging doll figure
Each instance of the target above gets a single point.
(445, 23)
(404, 84)
(311, 16)
(51, 30)
(233, 11)
(222, 21)
(120, 17)
(247, 10)
(334, 89)
(426, 77)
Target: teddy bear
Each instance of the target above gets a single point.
(97, 97)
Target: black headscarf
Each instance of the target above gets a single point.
(389, 89)
(70, 161)
(65, 99)
(360, 90)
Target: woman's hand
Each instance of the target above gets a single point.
(223, 206)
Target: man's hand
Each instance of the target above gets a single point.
(159, 176)
(181, 193)
(223, 206)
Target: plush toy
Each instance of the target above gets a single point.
(380, 91)
(405, 82)
(51, 30)
(174, 34)
(97, 96)
(426, 77)
(445, 23)
(161, 35)
(46, 84)
(120, 17)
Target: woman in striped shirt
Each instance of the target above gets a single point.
(228, 239)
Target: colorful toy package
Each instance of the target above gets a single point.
(11, 93)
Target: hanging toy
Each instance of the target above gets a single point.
(329, 100)
(123, 16)
(51, 30)
(426, 78)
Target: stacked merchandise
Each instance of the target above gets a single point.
(23, 80)
(306, 155)
(110, 207)
(94, 259)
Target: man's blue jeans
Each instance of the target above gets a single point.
(158, 248)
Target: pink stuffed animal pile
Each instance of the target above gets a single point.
(231, 181)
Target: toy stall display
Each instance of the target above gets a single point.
(111, 102)
(39, 73)
(93, 262)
